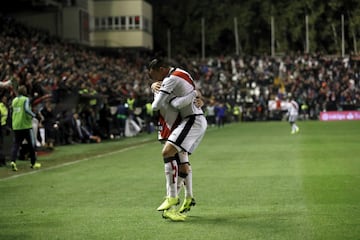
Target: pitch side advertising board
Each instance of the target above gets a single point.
(340, 116)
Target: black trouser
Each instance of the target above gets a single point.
(19, 136)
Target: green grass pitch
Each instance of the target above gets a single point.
(250, 180)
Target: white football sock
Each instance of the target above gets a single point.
(188, 184)
(171, 170)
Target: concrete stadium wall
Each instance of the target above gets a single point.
(50, 21)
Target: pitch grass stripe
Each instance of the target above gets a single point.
(77, 161)
(145, 141)
(298, 166)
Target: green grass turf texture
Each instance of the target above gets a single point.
(250, 180)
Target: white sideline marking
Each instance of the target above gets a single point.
(73, 162)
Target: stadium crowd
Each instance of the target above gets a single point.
(86, 95)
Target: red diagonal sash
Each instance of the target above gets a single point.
(184, 76)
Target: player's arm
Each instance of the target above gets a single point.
(5, 84)
(159, 100)
(180, 102)
(161, 97)
(27, 108)
(176, 102)
(193, 97)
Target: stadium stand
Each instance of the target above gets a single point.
(78, 79)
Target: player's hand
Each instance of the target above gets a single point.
(155, 87)
(198, 93)
(198, 99)
(199, 102)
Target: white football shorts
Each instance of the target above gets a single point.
(188, 135)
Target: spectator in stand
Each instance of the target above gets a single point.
(220, 113)
(77, 134)
(122, 114)
(48, 65)
(105, 122)
(210, 113)
(48, 120)
(87, 134)
(67, 130)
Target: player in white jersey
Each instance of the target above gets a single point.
(187, 136)
(293, 112)
(169, 117)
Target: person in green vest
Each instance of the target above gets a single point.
(149, 117)
(236, 112)
(131, 103)
(3, 128)
(22, 126)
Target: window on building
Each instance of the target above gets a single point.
(109, 23)
(137, 22)
(131, 24)
(97, 23)
(117, 23)
(103, 24)
(123, 23)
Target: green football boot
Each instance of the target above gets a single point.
(173, 215)
(187, 204)
(168, 203)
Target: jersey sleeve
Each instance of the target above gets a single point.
(166, 88)
(27, 108)
(180, 102)
(159, 100)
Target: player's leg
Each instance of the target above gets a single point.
(185, 173)
(190, 142)
(180, 180)
(171, 171)
(18, 138)
(291, 121)
(30, 138)
(294, 127)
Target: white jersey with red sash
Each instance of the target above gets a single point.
(293, 108)
(187, 136)
(293, 111)
(179, 83)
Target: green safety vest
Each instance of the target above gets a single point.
(130, 102)
(20, 118)
(149, 110)
(236, 110)
(3, 113)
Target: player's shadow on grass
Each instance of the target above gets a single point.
(242, 218)
(220, 219)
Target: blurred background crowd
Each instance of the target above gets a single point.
(83, 95)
